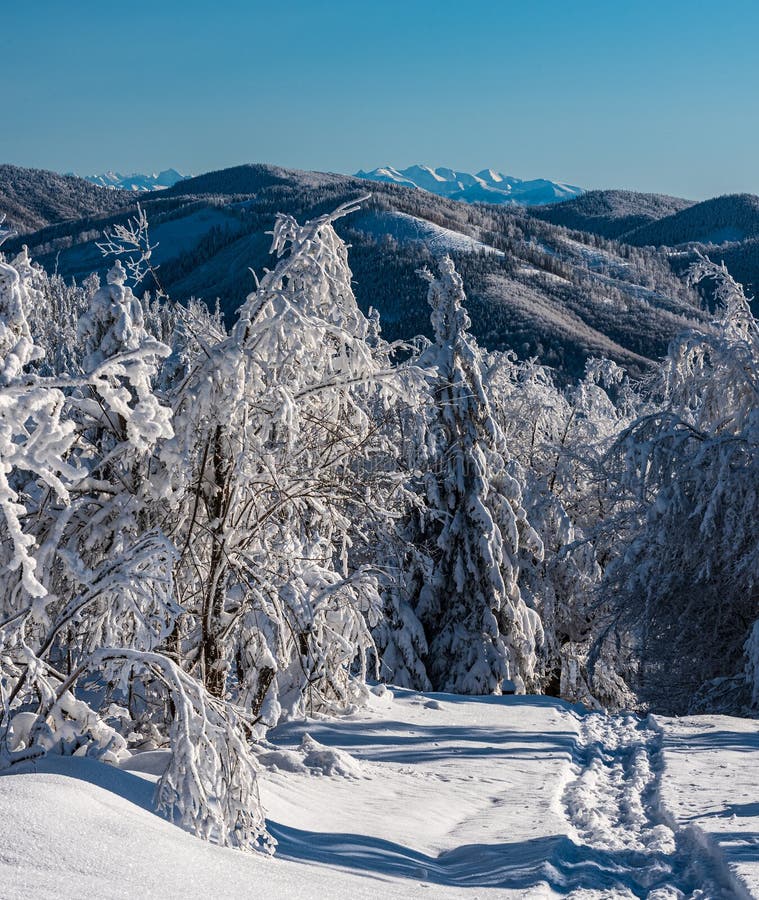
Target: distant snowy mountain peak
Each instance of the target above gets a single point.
(487, 186)
(137, 181)
(491, 176)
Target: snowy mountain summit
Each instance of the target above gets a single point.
(137, 181)
(487, 186)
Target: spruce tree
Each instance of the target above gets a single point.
(479, 631)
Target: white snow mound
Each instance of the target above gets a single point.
(329, 761)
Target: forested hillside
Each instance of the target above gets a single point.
(534, 288)
(720, 220)
(34, 198)
(611, 214)
(725, 228)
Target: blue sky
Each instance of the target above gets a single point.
(660, 96)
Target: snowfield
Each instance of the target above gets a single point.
(436, 238)
(712, 790)
(434, 796)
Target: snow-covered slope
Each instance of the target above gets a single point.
(137, 181)
(487, 186)
(407, 229)
(422, 796)
(709, 787)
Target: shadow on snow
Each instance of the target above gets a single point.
(555, 860)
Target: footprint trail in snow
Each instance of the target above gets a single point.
(520, 796)
(612, 807)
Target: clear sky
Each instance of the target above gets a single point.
(659, 96)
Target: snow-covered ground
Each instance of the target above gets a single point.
(431, 796)
(437, 239)
(711, 788)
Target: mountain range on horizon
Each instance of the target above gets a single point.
(486, 186)
(137, 181)
(595, 275)
(533, 287)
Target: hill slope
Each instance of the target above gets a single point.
(432, 796)
(732, 218)
(34, 198)
(533, 288)
(611, 214)
(724, 228)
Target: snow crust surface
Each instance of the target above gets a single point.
(421, 796)
(711, 789)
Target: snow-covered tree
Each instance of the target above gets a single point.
(405, 563)
(86, 585)
(34, 439)
(560, 436)
(479, 631)
(271, 471)
(687, 580)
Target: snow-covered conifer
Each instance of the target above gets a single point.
(479, 630)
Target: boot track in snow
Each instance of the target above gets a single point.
(611, 836)
(613, 809)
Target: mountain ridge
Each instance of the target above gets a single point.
(532, 287)
(729, 218)
(35, 198)
(486, 186)
(611, 213)
(138, 182)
